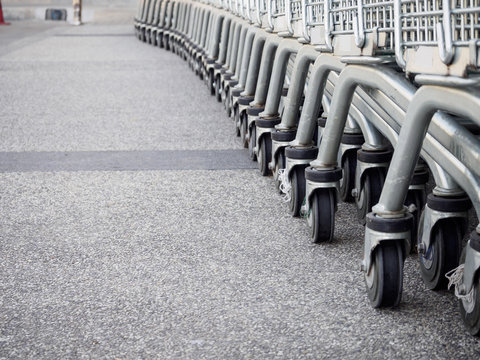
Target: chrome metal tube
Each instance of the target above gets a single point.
(305, 56)
(285, 49)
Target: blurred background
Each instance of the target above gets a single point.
(93, 11)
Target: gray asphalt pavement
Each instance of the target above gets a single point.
(133, 225)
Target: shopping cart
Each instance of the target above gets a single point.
(448, 33)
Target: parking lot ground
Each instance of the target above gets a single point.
(133, 224)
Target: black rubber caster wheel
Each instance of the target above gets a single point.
(279, 165)
(200, 72)
(443, 254)
(236, 120)
(416, 198)
(211, 83)
(347, 183)
(160, 42)
(243, 129)
(228, 104)
(264, 154)
(323, 215)
(297, 193)
(218, 89)
(470, 310)
(252, 142)
(196, 70)
(385, 279)
(372, 185)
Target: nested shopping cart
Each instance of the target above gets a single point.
(138, 18)
(284, 132)
(265, 111)
(397, 76)
(232, 73)
(303, 150)
(147, 12)
(152, 21)
(437, 46)
(261, 57)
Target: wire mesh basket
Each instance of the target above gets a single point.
(438, 37)
(261, 15)
(294, 17)
(277, 18)
(360, 27)
(313, 12)
(251, 10)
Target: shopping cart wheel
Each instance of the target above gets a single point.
(279, 165)
(443, 253)
(252, 142)
(384, 280)
(226, 101)
(416, 198)
(211, 82)
(218, 89)
(243, 129)
(236, 120)
(264, 154)
(297, 193)
(470, 310)
(369, 195)
(323, 215)
(347, 183)
(200, 72)
(195, 67)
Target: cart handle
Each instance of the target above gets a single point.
(358, 30)
(444, 31)
(269, 14)
(288, 16)
(259, 18)
(328, 25)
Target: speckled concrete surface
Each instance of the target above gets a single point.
(104, 93)
(174, 264)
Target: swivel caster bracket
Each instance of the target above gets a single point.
(472, 264)
(430, 218)
(373, 238)
(361, 168)
(311, 186)
(276, 146)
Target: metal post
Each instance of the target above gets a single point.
(2, 21)
(77, 12)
